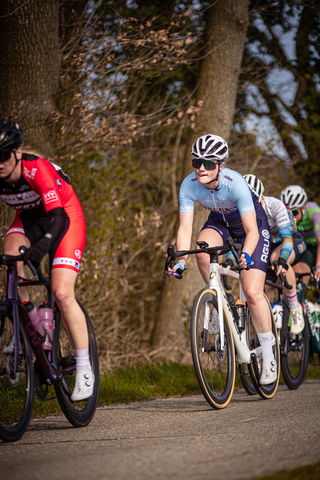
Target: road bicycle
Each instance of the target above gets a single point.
(26, 368)
(219, 333)
(294, 349)
(314, 332)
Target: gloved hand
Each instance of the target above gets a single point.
(283, 263)
(36, 253)
(247, 259)
(228, 263)
(180, 266)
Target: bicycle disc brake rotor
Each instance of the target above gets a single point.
(220, 353)
(14, 378)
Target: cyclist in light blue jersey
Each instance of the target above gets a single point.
(236, 211)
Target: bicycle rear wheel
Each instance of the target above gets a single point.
(265, 391)
(294, 353)
(214, 367)
(16, 390)
(80, 413)
(246, 380)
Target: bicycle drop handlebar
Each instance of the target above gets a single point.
(300, 276)
(37, 272)
(214, 252)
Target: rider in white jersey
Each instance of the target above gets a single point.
(234, 210)
(287, 248)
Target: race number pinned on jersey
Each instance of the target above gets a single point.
(50, 197)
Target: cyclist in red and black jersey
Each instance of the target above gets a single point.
(49, 219)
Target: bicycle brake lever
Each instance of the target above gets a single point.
(23, 250)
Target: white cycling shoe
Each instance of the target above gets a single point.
(269, 372)
(83, 387)
(297, 320)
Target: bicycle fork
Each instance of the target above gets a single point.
(216, 286)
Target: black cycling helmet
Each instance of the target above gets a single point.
(10, 135)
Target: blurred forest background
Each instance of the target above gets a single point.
(115, 92)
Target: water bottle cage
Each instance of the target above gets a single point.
(47, 335)
(42, 338)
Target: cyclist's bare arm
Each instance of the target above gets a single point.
(184, 235)
(249, 223)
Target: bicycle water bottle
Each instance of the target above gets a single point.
(35, 318)
(278, 314)
(46, 317)
(242, 315)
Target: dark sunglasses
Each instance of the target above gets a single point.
(295, 212)
(5, 155)
(208, 164)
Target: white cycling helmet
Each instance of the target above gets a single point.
(294, 197)
(210, 147)
(255, 185)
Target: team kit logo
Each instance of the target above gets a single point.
(50, 197)
(77, 254)
(266, 246)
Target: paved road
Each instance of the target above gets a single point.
(174, 438)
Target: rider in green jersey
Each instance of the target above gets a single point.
(307, 216)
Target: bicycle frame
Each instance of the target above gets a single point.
(243, 353)
(49, 371)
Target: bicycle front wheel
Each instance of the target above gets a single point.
(294, 353)
(80, 413)
(213, 362)
(16, 389)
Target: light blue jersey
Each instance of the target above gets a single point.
(227, 204)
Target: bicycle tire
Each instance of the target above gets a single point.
(246, 380)
(16, 391)
(265, 391)
(295, 363)
(244, 369)
(215, 371)
(79, 414)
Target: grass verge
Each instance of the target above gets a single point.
(145, 381)
(308, 472)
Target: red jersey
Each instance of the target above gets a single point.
(46, 202)
(42, 184)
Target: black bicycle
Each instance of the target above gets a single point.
(294, 349)
(26, 368)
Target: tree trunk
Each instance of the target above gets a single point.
(226, 33)
(30, 66)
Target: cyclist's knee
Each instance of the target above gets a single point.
(63, 295)
(254, 295)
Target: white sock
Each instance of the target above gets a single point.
(293, 299)
(265, 340)
(83, 361)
